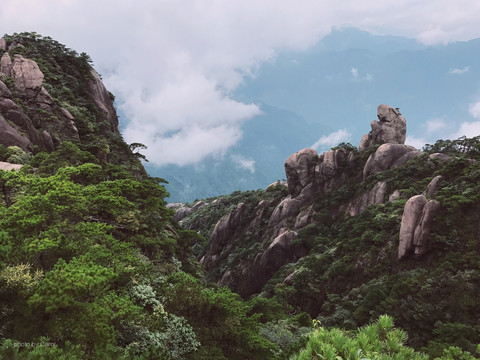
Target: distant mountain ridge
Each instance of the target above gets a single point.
(253, 163)
(330, 87)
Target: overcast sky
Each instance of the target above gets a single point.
(173, 63)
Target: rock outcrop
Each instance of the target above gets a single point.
(300, 170)
(439, 157)
(15, 114)
(5, 91)
(222, 234)
(416, 224)
(182, 211)
(3, 44)
(102, 99)
(375, 195)
(385, 157)
(6, 65)
(27, 75)
(391, 128)
(433, 186)
(290, 206)
(310, 177)
(418, 215)
(330, 170)
(410, 218)
(252, 277)
(43, 123)
(5, 166)
(10, 137)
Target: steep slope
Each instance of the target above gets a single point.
(50, 94)
(92, 263)
(361, 232)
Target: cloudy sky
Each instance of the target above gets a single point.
(174, 63)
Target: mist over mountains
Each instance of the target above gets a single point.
(334, 88)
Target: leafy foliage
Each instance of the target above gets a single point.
(375, 341)
(92, 264)
(350, 274)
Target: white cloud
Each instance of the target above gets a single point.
(468, 129)
(244, 163)
(457, 71)
(332, 139)
(416, 142)
(174, 64)
(354, 72)
(475, 110)
(434, 125)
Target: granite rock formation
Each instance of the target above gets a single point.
(391, 128)
(310, 177)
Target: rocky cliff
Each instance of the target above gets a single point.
(48, 94)
(342, 182)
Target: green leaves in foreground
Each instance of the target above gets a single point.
(379, 340)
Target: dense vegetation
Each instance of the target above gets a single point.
(350, 275)
(93, 266)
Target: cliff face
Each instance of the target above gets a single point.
(357, 174)
(50, 94)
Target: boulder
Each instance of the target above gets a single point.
(5, 166)
(433, 186)
(14, 45)
(439, 157)
(102, 99)
(422, 230)
(10, 137)
(402, 160)
(417, 219)
(290, 278)
(300, 170)
(277, 183)
(391, 128)
(15, 114)
(329, 173)
(44, 98)
(290, 206)
(6, 65)
(199, 205)
(304, 218)
(4, 91)
(383, 159)
(27, 75)
(181, 213)
(375, 195)
(3, 44)
(174, 206)
(412, 213)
